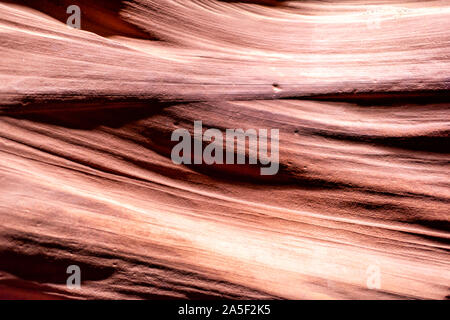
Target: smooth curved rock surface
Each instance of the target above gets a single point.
(359, 92)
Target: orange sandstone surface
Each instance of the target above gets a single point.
(357, 89)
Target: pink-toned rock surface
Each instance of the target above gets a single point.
(86, 176)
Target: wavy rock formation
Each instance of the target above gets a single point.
(357, 89)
